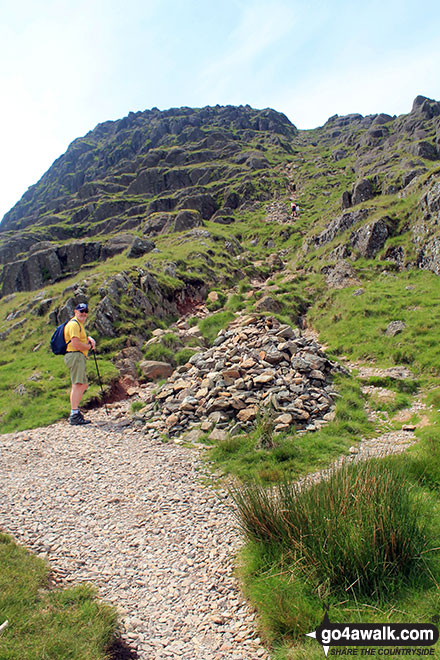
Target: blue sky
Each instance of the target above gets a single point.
(67, 65)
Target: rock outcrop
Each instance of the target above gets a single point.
(151, 157)
(340, 224)
(371, 238)
(46, 265)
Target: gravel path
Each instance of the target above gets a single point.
(130, 514)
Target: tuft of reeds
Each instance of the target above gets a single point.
(359, 531)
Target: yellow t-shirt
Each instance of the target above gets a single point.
(74, 329)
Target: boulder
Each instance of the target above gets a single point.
(126, 362)
(153, 370)
(139, 247)
(394, 328)
(340, 275)
(371, 238)
(187, 220)
(425, 150)
(268, 304)
(116, 245)
(362, 191)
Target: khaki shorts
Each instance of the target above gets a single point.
(76, 362)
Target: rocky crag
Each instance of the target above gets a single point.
(153, 172)
(159, 172)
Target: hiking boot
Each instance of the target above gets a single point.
(77, 419)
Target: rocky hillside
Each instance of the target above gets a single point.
(151, 172)
(155, 172)
(148, 216)
(385, 174)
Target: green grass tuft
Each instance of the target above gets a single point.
(57, 624)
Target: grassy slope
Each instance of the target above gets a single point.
(43, 624)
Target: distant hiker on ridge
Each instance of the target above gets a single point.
(295, 208)
(78, 346)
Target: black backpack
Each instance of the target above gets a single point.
(57, 342)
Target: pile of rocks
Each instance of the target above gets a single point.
(255, 365)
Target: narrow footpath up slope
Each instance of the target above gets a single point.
(130, 514)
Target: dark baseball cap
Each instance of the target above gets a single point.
(82, 307)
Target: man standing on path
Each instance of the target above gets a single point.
(78, 346)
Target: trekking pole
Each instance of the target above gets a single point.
(100, 381)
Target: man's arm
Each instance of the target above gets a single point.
(78, 345)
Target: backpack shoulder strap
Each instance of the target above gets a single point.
(76, 321)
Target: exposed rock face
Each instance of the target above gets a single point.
(429, 256)
(362, 191)
(187, 220)
(340, 224)
(155, 170)
(49, 265)
(152, 154)
(430, 202)
(425, 107)
(255, 364)
(46, 266)
(134, 298)
(204, 204)
(371, 238)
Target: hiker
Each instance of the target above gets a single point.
(78, 346)
(295, 209)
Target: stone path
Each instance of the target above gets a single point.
(130, 514)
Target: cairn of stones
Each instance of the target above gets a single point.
(256, 366)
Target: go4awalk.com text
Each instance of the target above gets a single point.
(376, 639)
